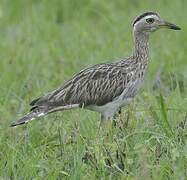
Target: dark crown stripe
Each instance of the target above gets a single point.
(143, 15)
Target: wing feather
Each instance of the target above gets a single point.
(96, 85)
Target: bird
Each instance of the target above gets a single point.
(106, 87)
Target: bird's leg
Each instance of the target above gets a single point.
(120, 118)
(106, 125)
(118, 115)
(127, 118)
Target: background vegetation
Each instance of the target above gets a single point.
(43, 43)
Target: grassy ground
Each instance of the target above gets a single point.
(43, 43)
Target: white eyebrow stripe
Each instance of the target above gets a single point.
(149, 16)
(146, 17)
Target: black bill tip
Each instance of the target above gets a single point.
(172, 26)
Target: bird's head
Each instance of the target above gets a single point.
(150, 22)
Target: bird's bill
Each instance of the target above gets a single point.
(169, 25)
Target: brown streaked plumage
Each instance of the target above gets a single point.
(104, 88)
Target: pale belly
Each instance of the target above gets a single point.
(110, 109)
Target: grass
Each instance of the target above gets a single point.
(43, 43)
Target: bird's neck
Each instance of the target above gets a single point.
(141, 49)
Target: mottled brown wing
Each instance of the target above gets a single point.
(96, 85)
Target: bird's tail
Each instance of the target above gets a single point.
(37, 111)
(29, 117)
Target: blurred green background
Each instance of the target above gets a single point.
(43, 43)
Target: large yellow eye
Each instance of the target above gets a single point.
(150, 20)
